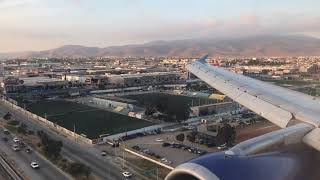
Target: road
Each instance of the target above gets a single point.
(22, 159)
(103, 167)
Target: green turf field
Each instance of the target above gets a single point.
(86, 120)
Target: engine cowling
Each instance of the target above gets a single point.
(295, 163)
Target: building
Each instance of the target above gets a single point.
(215, 108)
(33, 86)
(144, 79)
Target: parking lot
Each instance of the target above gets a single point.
(173, 154)
(176, 152)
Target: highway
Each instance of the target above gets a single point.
(103, 167)
(22, 159)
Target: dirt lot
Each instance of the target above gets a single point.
(254, 130)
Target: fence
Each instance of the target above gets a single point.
(49, 123)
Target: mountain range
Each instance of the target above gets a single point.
(257, 46)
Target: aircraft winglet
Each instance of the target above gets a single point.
(203, 59)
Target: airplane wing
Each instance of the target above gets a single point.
(296, 113)
(281, 106)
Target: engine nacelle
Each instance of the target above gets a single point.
(296, 163)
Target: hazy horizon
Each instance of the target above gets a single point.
(33, 25)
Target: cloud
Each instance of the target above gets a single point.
(251, 24)
(14, 3)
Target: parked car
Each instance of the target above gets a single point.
(28, 150)
(5, 139)
(165, 144)
(22, 144)
(136, 148)
(159, 140)
(16, 140)
(222, 147)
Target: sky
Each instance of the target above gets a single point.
(45, 24)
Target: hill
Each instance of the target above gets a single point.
(245, 46)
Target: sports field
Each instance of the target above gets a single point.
(85, 119)
(176, 107)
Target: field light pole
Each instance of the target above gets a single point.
(123, 158)
(157, 174)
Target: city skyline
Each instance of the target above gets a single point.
(40, 25)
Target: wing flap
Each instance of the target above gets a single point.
(313, 138)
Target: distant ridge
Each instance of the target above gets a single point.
(259, 46)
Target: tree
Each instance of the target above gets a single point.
(22, 128)
(191, 136)
(149, 110)
(226, 134)
(180, 137)
(7, 116)
(51, 148)
(78, 169)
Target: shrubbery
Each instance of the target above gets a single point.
(14, 123)
(50, 147)
(180, 137)
(7, 116)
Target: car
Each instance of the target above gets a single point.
(22, 144)
(6, 132)
(159, 140)
(127, 174)
(185, 148)
(28, 150)
(103, 153)
(15, 147)
(16, 140)
(222, 147)
(165, 160)
(34, 165)
(165, 144)
(168, 162)
(136, 148)
(146, 151)
(5, 139)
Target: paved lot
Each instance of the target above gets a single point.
(176, 156)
